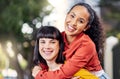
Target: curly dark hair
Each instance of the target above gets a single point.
(95, 31)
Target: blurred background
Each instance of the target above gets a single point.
(20, 19)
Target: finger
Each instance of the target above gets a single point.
(37, 67)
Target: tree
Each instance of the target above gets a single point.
(13, 13)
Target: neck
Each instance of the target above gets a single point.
(53, 66)
(70, 38)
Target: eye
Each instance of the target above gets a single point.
(53, 42)
(81, 20)
(42, 42)
(72, 16)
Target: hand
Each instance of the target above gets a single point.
(35, 70)
(76, 77)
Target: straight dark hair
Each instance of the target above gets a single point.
(48, 32)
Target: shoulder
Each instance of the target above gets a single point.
(86, 40)
(87, 44)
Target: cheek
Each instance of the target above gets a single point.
(81, 26)
(57, 47)
(40, 48)
(80, 29)
(67, 19)
(57, 51)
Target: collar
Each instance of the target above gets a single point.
(78, 38)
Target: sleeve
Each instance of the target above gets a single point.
(80, 58)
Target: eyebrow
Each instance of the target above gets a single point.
(73, 13)
(80, 17)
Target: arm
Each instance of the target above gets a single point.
(77, 61)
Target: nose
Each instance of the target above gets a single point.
(46, 45)
(74, 22)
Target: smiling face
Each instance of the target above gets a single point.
(49, 48)
(76, 21)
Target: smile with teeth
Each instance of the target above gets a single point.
(70, 28)
(47, 52)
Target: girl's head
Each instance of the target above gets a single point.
(90, 11)
(49, 45)
(79, 19)
(82, 18)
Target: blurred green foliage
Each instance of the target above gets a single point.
(13, 13)
(110, 10)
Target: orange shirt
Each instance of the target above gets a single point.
(81, 53)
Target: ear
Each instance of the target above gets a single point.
(87, 27)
